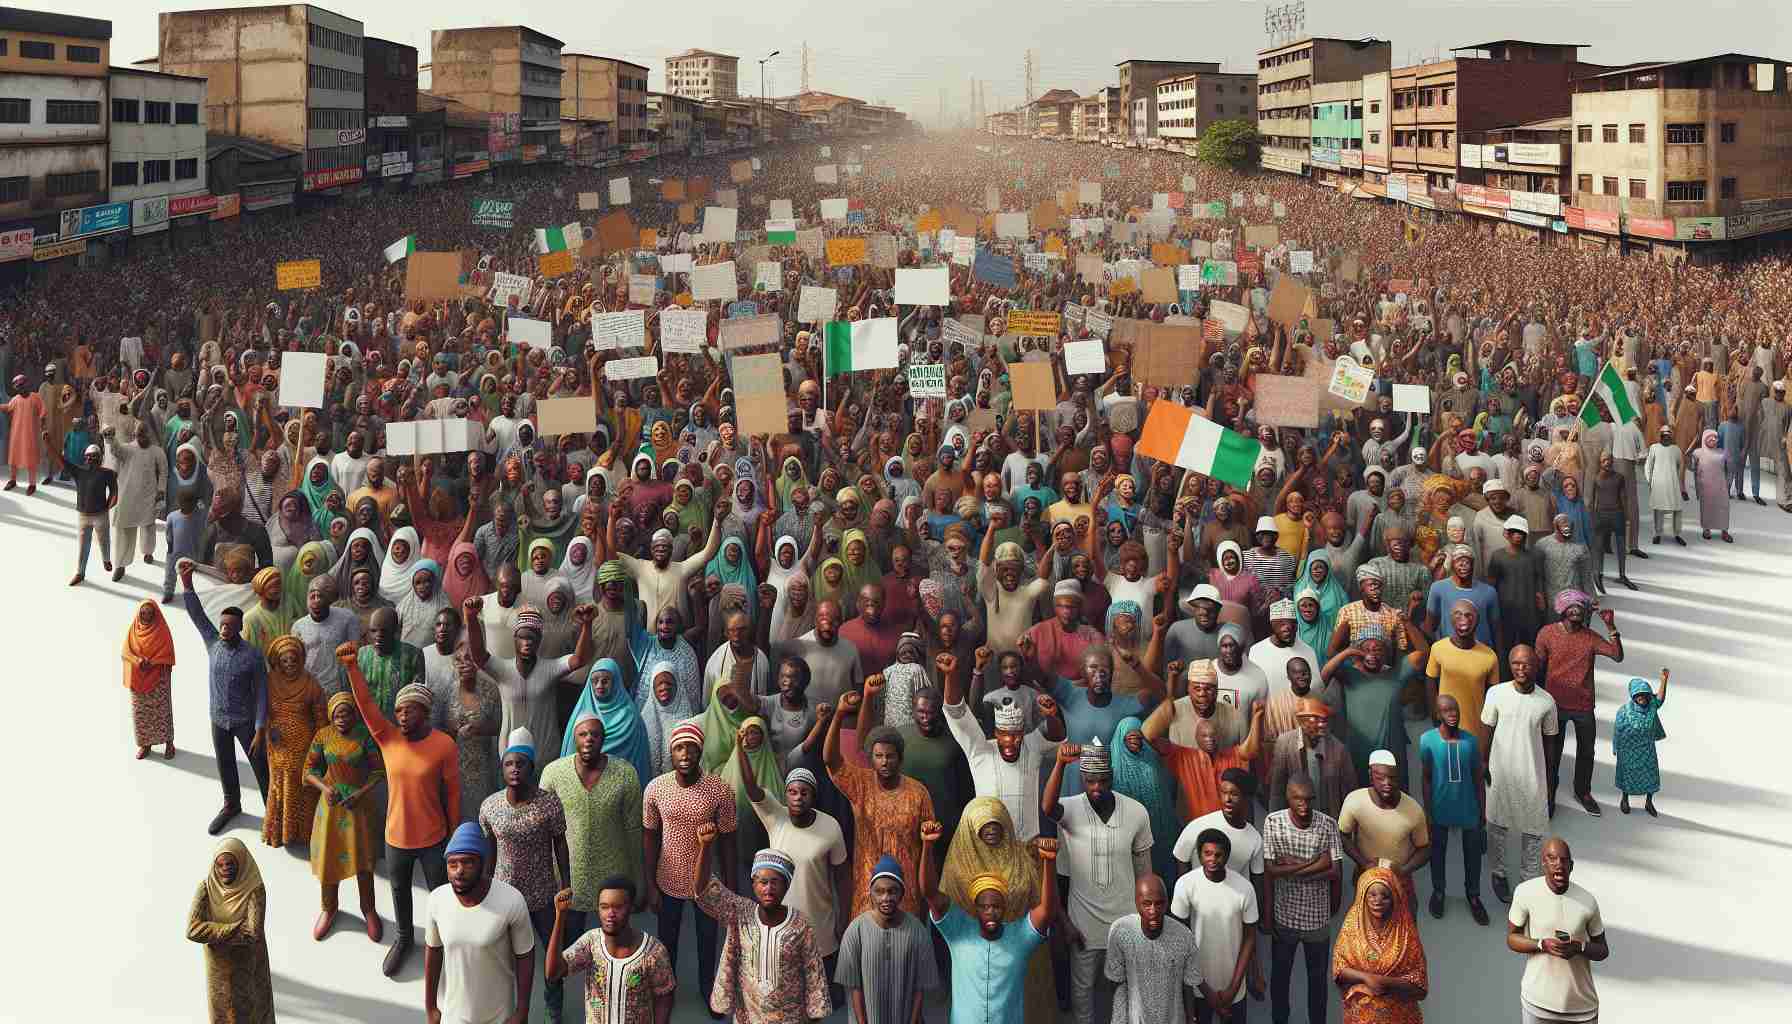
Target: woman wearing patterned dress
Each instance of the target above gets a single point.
(1378, 963)
(470, 710)
(343, 765)
(227, 915)
(148, 672)
(295, 713)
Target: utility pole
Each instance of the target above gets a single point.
(805, 67)
(1029, 73)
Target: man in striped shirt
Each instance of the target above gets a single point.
(1273, 567)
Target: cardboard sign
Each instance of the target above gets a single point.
(590, 201)
(1262, 236)
(729, 197)
(1350, 381)
(1231, 315)
(650, 238)
(1088, 192)
(779, 210)
(1032, 324)
(749, 331)
(1011, 225)
(616, 232)
(1412, 398)
(1085, 357)
(625, 329)
(927, 286)
(810, 242)
(826, 174)
(816, 304)
(524, 331)
(619, 192)
(556, 264)
(1033, 386)
(687, 214)
(760, 403)
(834, 208)
(1158, 284)
(882, 251)
(1288, 302)
(1300, 261)
(1168, 355)
(1166, 255)
(559, 416)
(432, 275)
(294, 274)
(633, 368)
(719, 224)
(846, 252)
(927, 380)
(768, 276)
(672, 190)
(740, 171)
(1350, 268)
(715, 281)
(683, 330)
(642, 288)
(1286, 401)
(302, 379)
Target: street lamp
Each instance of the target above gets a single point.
(764, 121)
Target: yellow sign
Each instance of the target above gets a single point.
(298, 274)
(1166, 255)
(1054, 244)
(556, 264)
(930, 221)
(1122, 286)
(682, 299)
(57, 250)
(845, 252)
(1038, 325)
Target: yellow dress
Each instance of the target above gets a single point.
(343, 840)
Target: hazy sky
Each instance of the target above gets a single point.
(904, 53)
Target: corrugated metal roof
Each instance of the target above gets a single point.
(254, 149)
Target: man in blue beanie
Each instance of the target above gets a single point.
(479, 951)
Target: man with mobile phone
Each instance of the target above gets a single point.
(1556, 926)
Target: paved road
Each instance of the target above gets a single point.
(1692, 901)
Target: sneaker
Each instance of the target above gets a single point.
(1478, 910)
(1501, 889)
(1590, 805)
(223, 818)
(1638, 553)
(10, 485)
(1680, 540)
(1437, 904)
(118, 574)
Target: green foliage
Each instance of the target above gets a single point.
(1231, 144)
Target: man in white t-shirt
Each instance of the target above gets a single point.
(479, 951)
(813, 840)
(1556, 927)
(1220, 907)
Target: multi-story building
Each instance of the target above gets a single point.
(604, 100)
(1139, 78)
(1050, 114)
(1336, 149)
(466, 132)
(671, 119)
(288, 74)
(1684, 152)
(510, 72)
(1286, 76)
(158, 151)
(53, 124)
(391, 96)
(1378, 139)
(1187, 104)
(703, 75)
(1004, 122)
(1439, 106)
(1087, 119)
(1144, 117)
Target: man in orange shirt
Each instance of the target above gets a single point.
(1705, 384)
(1197, 769)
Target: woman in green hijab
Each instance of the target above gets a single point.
(751, 752)
(855, 559)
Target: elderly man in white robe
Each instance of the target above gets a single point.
(142, 478)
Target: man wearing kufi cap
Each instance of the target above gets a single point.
(815, 844)
(96, 491)
(1310, 749)
(770, 971)
(661, 581)
(1271, 656)
(1007, 765)
(1381, 825)
(676, 808)
(1104, 845)
(886, 959)
(1059, 642)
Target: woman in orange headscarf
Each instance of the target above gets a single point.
(1378, 963)
(148, 671)
(296, 711)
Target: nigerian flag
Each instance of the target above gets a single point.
(780, 232)
(400, 249)
(862, 345)
(1608, 387)
(550, 240)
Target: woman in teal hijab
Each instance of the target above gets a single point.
(731, 565)
(1317, 574)
(1309, 620)
(625, 736)
(317, 487)
(1139, 774)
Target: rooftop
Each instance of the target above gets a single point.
(1181, 63)
(1363, 42)
(15, 19)
(1511, 42)
(222, 11)
(594, 56)
(152, 73)
(499, 28)
(702, 53)
(1548, 124)
(1659, 65)
(254, 149)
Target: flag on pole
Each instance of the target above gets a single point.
(1608, 387)
(1176, 435)
(864, 345)
(552, 240)
(400, 249)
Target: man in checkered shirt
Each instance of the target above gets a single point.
(1301, 858)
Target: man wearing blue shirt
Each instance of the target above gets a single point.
(1454, 793)
(238, 698)
(989, 956)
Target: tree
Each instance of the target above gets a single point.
(1232, 144)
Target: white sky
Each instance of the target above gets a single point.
(920, 47)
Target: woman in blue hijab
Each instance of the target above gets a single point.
(1139, 774)
(625, 736)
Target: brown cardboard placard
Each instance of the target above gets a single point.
(1286, 401)
(1158, 284)
(432, 275)
(1262, 236)
(559, 416)
(616, 232)
(1046, 217)
(672, 190)
(761, 406)
(1033, 385)
(1166, 255)
(740, 171)
(687, 213)
(1168, 355)
(1288, 302)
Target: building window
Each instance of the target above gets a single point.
(157, 112)
(1583, 183)
(124, 172)
(186, 113)
(57, 185)
(155, 171)
(334, 78)
(72, 112)
(1608, 186)
(186, 170)
(1608, 133)
(15, 111)
(1639, 189)
(1445, 101)
(1726, 188)
(3, 44)
(37, 51)
(1374, 106)
(1583, 133)
(1637, 134)
(1686, 134)
(82, 54)
(124, 112)
(1726, 132)
(1686, 191)
(1374, 138)
(15, 190)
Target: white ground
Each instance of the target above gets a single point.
(1692, 901)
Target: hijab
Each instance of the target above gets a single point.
(658, 720)
(582, 577)
(346, 565)
(1331, 593)
(395, 576)
(719, 725)
(821, 590)
(1142, 777)
(315, 559)
(787, 483)
(1318, 633)
(461, 585)
(763, 763)
(318, 495)
(559, 630)
(739, 574)
(1645, 720)
(153, 642)
(1219, 564)
(1389, 949)
(284, 688)
(625, 733)
(229, 904)
(969, 857)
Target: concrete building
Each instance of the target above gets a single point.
(605, 99)
(1440, 106)
(1336, 147)
(1087, 121)
(290, 74)
(1187, 104)
(671, 121)
(465, 134)
(703, 75)
(53, 124)
(1684, 152)
(1050, 113)
(512, 73)
(1139, 78)
(1286, 76)
(1378, 139)
(158, 150)
(391, 73)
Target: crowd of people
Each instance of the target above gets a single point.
(803, 684)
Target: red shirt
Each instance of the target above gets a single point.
(1060, 653)
(1568, 664)
(876, 644)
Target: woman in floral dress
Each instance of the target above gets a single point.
(343, 765)
(295, 712)
(471, 712)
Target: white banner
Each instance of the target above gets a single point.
(683, 330)
(714, 281)
(627, 329)
(630, 369)
(816, 305)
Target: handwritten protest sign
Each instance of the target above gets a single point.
(294, 274)
(1032, 323)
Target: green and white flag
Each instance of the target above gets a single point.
(1176, 435)
(780, 232)
(863, 345)
(554, 240)
(400, 249)
(1608, 387)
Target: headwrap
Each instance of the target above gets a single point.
(1389, 950)
(1646, 720)
(1566, 599)
(153, 642)
(229, 904)
(661, 535)
(625, 736)
(804, 776)
(775, 860)
(269, 577)
(1311, 706)
(887, 867)
(414, 693)
(467, 839)
(1009, 551)
(688, 732)
(1368, 571)
(1371, 631)
(521, 741)
(1095, 759)
(1009, 864)
(339, 699)
(611, 572)
(984, 883)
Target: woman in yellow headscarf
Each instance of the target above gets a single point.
(1440, 492)
(268, 619)
(985, 848)
(342, 765)
(1378, 963)
(295, 712)
(228, 915)
(855, 558)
